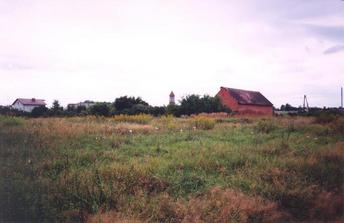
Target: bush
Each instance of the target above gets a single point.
(39, 111)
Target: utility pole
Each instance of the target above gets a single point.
(341, 97)
(305, 103)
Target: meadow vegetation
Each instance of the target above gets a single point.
(195, 169)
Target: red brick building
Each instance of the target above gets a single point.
(245, 102)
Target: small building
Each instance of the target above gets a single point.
(245, 102)
(86, 104)
(27, 105)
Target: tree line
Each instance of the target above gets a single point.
(191, 104)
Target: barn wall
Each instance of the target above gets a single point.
(230, 102)
(227, 100)
(255, 110)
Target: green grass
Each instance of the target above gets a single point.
(68, 169)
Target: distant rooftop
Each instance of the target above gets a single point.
(31, 101)
(246, 97)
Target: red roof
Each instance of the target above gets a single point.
(245, 97)
(31, 101)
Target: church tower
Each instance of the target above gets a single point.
(172, 100)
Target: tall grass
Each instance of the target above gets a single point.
(10, 120)
(79, 169)
(203, 122)
(140, 119)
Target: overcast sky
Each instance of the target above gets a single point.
(73, 50)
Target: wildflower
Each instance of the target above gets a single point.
(181, 130)
(194, 128)
(130, 131)
(156, 128)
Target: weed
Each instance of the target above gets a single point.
(140, 119)
(265, 126)
(202, 122)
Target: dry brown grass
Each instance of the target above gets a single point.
(70, 127)
(227, 205)
(128, 128)
(112, 217)
(217, 205)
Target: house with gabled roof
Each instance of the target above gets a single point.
(27, 105)
(245, 101)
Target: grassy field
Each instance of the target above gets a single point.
(145, 169)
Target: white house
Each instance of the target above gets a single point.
(27, 105)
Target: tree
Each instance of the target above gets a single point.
(174, 110)
(80, 108)
(158, 110)
(56, 109)
(130, 105)
(288, 107)
(194, 104)
(100, 109)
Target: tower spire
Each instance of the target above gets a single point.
(172, 100)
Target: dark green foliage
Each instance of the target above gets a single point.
(56, 109)
(194, 104)
(158, 110)
(126, 102)
(288, 107)
(39, 111)
(131, 106)
(173, 110)
(100, 109)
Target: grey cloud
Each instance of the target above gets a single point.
(296, 9)
(334, 49)
(334, 33)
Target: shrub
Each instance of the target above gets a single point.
(39, 111)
